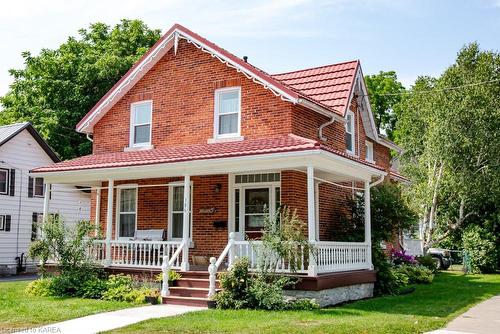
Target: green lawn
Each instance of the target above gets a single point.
(18, 310)
(429, 307)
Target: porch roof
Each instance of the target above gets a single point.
(249, 147)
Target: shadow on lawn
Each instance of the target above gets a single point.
(449, 293)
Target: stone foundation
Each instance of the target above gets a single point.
(334, 296)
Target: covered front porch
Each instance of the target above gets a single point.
(203, 212)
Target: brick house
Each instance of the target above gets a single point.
(198, 143)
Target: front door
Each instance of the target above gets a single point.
(252, 203)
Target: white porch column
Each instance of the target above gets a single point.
(311, 218)
(46, 200)
(97, 211)
(186, 223)
(109, 221)
(368, 228)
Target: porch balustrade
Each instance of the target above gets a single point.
(138, 254)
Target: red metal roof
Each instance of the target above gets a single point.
(279, 144)
(328, 85)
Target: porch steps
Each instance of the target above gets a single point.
(190, 290)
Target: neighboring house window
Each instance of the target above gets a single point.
(369, 151)
(176, 211)
(4, 181)
(127, 212)
(38, 187)
(5, 223)
(140, 123)
(349, 132)
(227, 112)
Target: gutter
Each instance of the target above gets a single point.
(380, 180)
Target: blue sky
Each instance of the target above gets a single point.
(409, 36)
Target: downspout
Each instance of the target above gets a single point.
(324, 125)
(90, 139)
(374, 183)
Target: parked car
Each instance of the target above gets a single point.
(442, 256)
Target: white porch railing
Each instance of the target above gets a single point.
(325, 257)
(331, 256)
(134, 253)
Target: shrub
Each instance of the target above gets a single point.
(172, 276)
(400, 257)
(234, 284)
(416, 274)
(266, 292)
(427, 261)
(93, 288)
(118, 287)
(41, 287)
(387, 282)
(303, 304)
(479, 244)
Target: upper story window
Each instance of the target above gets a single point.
(227, 112)
(369, 152)
(349, 133)
(140, 123)
(4, 181)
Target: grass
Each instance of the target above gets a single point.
(18, 310)
(429, 307)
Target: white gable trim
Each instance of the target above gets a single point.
(366, 111)
(152, 58)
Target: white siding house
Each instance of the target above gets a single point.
(21, 196)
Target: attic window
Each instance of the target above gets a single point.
(227, 112)
(369, 152)
(140, 123)
(350, 133)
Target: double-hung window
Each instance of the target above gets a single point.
(349, 133)
(4, 181)
(176, 211)
(127, 213)
(369, 151)
(38, 187)
(140, 123)
(227, 112)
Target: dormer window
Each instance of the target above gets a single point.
(227, 112)
(349, 133)
(140, 123)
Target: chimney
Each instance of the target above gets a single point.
(245, 59)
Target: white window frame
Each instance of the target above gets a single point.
(7, 181)
(369, 148)
(34, 187)
(172, 185)
(119, 189)
(133, 125)
(217, 94)
(2, 222)
(353, 132)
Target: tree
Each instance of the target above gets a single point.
(385, 91)
(448, 128)
(56, 88)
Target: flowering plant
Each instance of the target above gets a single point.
(400, 257)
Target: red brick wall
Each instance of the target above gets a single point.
(182, 88)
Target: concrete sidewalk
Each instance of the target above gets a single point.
(110, 320)
(483, 318)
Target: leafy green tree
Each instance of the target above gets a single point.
(385, 92)
(448, 128)
(56, 88)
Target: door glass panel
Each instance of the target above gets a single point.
(237, 210)
(256, 207)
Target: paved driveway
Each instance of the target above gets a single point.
(14, 278)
